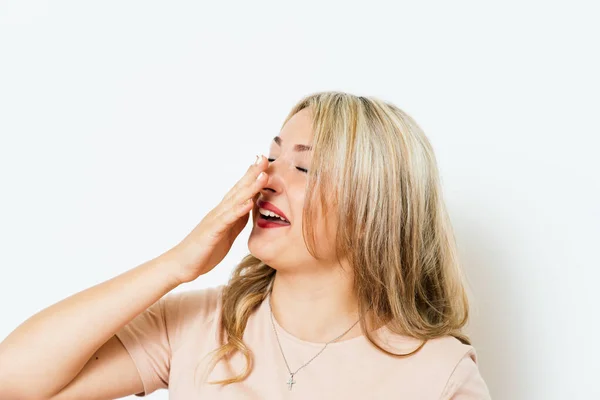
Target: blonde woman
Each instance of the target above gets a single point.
(352, 288)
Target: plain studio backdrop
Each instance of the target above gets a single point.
(123, 123)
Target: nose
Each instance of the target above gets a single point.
(274, 182)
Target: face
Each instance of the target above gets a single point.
(283, 247)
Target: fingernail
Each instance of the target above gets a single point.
(258, 159)
(260, 175)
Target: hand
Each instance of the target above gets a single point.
(208, 243)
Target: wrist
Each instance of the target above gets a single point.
(169, 265)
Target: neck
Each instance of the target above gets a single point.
(315, 307)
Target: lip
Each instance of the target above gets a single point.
(268, 206)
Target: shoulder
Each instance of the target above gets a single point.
(196, 302)
(191, 310)
(449, 366)
(465, 382)
(461, 376)
(445, 350)
(448, 348)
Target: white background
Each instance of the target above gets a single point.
(123, 123)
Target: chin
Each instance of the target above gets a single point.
(269, 254)
(261, 249)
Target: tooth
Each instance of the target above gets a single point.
(271, 214)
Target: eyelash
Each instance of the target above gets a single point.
(298, 168)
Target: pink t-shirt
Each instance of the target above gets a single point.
(174, 335)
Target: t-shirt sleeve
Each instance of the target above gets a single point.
(146, 339)
(466, 382)
(153, 336)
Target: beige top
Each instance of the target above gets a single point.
(170, 338)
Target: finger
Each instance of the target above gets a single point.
(241, 198)
(231, 215)
(250, 191)
(249, 177)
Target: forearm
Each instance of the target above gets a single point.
(50, 348)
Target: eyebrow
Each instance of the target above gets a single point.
(298, 147)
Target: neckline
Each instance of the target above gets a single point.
(283, 333)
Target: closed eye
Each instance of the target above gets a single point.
(298, 168)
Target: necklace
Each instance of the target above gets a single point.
(290, 382)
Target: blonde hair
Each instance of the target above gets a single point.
(373, 165)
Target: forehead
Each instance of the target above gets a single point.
(297, 130)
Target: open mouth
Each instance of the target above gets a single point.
(272, 217)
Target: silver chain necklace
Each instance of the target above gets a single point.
(291, 381)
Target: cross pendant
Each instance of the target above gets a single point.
(291, 381)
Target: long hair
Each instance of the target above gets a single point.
(374, 167)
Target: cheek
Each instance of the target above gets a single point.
(296, 201)
(323, 230)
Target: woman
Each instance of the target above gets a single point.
(352, 288)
